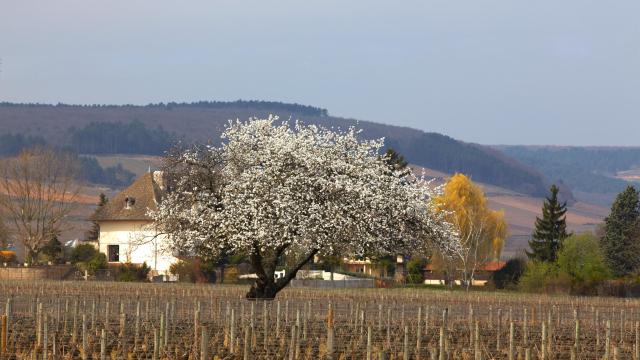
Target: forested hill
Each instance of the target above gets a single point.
(600, 170)
(108, 129)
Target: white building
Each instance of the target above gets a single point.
(127, 234)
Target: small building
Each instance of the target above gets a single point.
(127, 233)
(367, 267)
(435, 276)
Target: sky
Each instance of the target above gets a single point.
(492, 72)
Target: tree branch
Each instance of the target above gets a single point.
(281, 283)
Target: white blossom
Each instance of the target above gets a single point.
(275, 187)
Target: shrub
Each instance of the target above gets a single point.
(87, 257)
(83, 253)
(231, 275)
(194, 271)
(510, 274)
(129, 272)
(558, 283)
(537, 276)
(582, 261)
(53, 251)
(184, 270)
(414, 271)
(580, 268)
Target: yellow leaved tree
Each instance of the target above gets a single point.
(482, 230)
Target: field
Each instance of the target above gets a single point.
(69, 320)
(629, 175)
(137, 164)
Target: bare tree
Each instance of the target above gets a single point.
(38, 189)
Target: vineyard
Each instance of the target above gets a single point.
(75, 320)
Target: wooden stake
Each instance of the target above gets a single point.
(45, 339)
(441, 354)
(292, 344)
(476, 343)
(607, 341)
(103, 345)
(576, 343)
(204, 344)
(247, 341)
(405, 351)
(511, 344)
(499, 330)
(232, 336)
(636, 346)
(369, 343)
(156, 344)
(4, 337)
(84, 337)
(543, 348)
(330, 332)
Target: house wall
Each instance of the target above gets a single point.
(363, 267)
(137, 244)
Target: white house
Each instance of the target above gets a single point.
(127, 234)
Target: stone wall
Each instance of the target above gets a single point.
(52, 272)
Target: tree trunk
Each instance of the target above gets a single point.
(221, 269)
(262, 290)
(266, 286)
(31, 257)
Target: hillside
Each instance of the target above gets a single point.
(86, 128)
(595, 174)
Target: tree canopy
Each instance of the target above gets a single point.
(273, 190)
(581, 258)
(120, 138)
(482, 231)
(94, 232)
(13, 144)
(621, 240)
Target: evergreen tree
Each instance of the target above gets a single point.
(53, 251)
(94, 232)
(396, 162)
(550, 230)
(620, 243)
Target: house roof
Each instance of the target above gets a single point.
(134, 202)
(488, 266)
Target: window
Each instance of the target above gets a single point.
(113, 253)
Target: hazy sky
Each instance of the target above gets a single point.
(493, 72)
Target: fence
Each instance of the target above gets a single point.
(351, 283)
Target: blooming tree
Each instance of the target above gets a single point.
(274, 190)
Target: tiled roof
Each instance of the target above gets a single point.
(488, 266)
(143, 195)
(492, 266)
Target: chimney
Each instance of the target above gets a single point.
(129, 201)
(158, 178)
